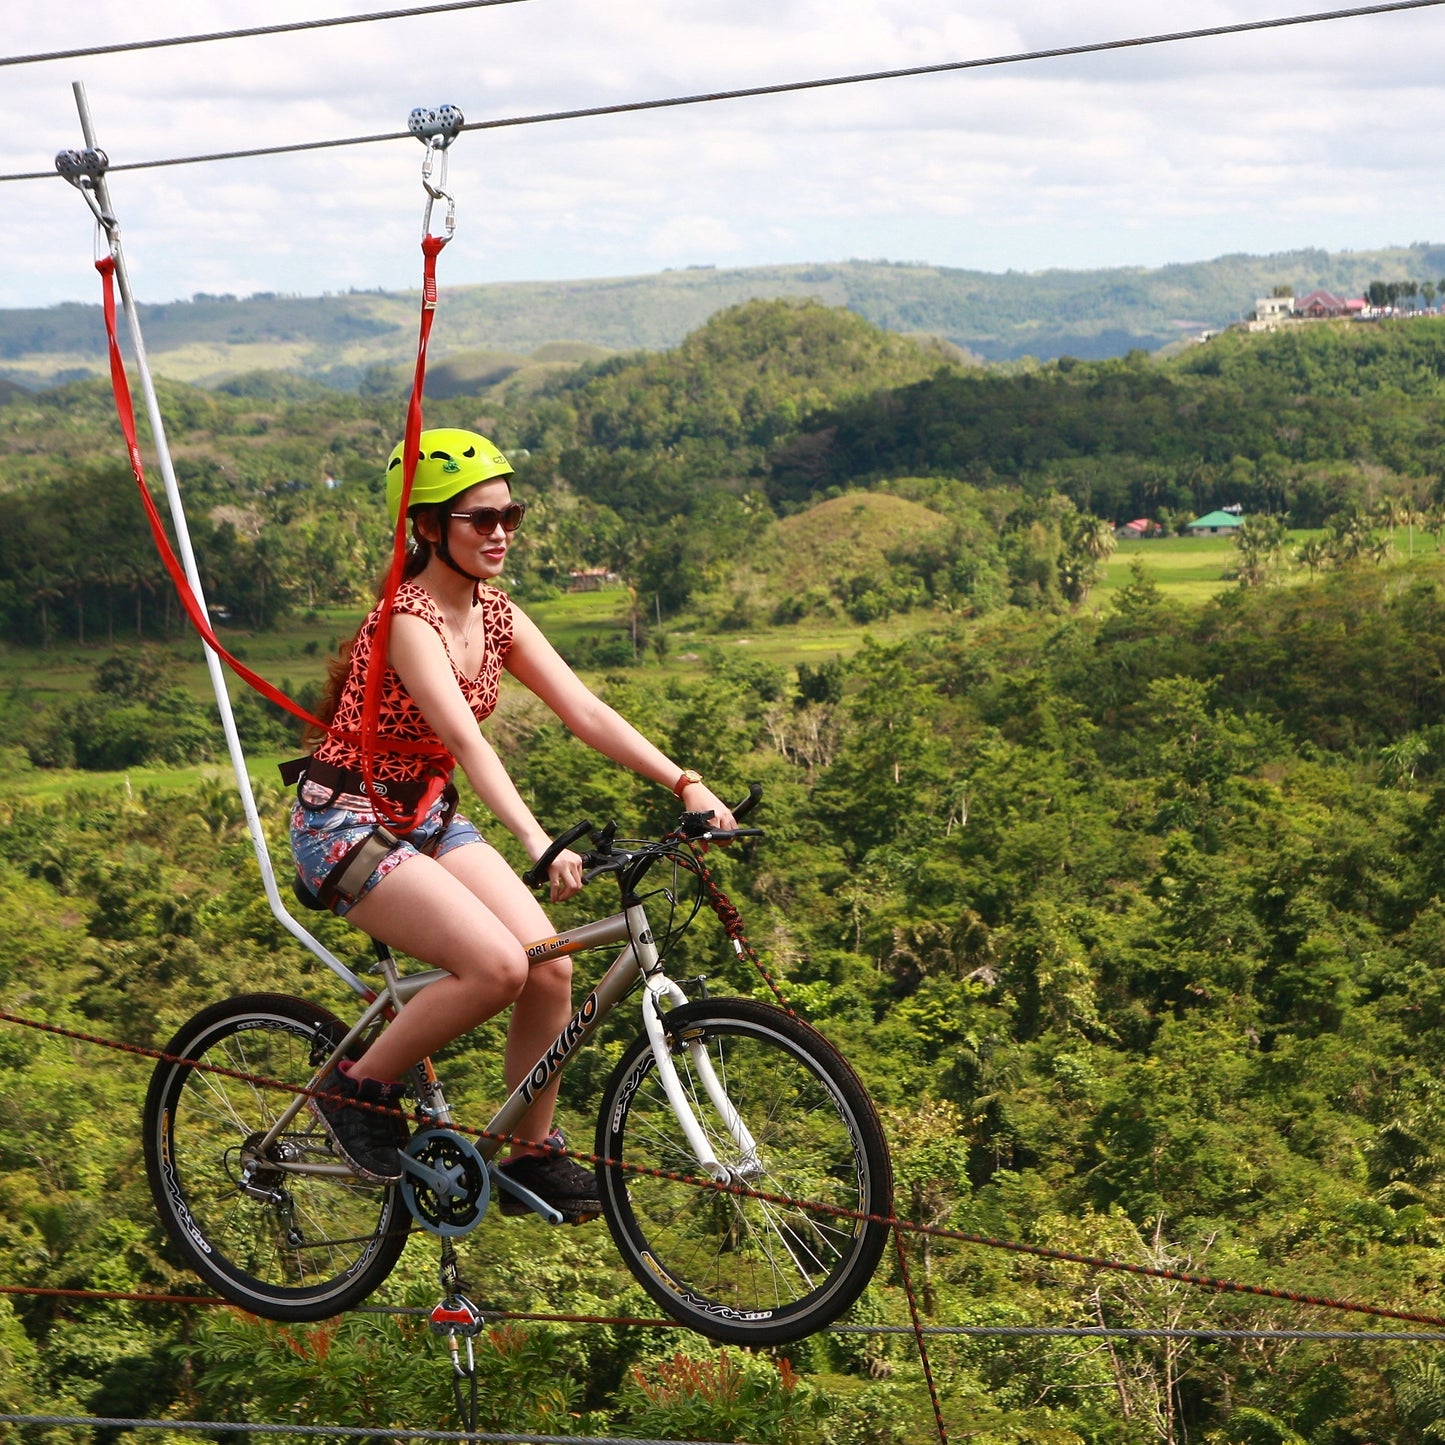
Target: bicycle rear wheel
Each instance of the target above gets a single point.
(288, 1246)
(738, 1268)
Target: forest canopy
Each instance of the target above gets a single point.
(1129, 917)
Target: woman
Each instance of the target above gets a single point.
(441, 893)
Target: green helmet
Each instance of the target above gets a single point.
(448, 462)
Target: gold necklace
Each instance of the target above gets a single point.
(467, 630)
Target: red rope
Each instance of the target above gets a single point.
(126, 411)
(431, 247)
(914, 1316)
(732, 925)
(1038, 1251)
(369, 736)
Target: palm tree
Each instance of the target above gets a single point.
(1088, 542)
(1350, 535)
(1403, 756)
(1314, 554)
(1412, 516)
(1261, 542)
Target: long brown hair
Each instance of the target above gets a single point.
(338, 666)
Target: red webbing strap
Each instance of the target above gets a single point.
(190, 603)
(431, 247)
(188, 599)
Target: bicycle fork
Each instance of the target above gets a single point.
(660, 994)
(661, 989)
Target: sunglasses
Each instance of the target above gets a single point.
(485, 519)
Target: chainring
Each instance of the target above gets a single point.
(458, 1208)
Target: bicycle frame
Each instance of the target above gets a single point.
(638, 961)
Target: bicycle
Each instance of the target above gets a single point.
(728, 1090)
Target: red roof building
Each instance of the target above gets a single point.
(1320, 304)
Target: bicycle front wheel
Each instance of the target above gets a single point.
(743, 1268)
(277, 1241)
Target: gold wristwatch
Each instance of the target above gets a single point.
(688, 775)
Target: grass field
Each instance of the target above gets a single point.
(1188, 569)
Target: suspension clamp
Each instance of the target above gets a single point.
(74, 165)
(436, 129)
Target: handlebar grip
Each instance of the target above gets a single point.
(536, 875)
(755, 793)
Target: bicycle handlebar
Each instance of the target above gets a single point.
(693, 826)
(536, 875)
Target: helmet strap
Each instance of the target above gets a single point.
(444, 554)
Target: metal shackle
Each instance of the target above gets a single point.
(436, 127)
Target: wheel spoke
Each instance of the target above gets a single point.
(300, 1246)
(735, 1265)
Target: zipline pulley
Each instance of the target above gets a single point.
(436, 129)
(456, 1317)
(84, 170)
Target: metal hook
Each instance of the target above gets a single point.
(437, 192)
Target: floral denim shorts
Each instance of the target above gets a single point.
(322, 837)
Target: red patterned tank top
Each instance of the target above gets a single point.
(400, 716)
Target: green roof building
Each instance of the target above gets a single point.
(1214, 523)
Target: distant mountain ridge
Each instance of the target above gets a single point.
(343, 340)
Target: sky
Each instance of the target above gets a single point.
(1325, 135)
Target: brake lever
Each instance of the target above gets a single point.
(697, 828)
(693, 825)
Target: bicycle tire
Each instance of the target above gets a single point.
(735, 1268)
(322, 1243)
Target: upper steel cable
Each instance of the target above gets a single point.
(121, 47)
(787, 87)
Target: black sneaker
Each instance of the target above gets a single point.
(563, 1183)
(369, 1142)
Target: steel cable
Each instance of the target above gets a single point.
(639, 1322)
(786, 87)
(1037, 1251)
(350, 1432)
(125, 46)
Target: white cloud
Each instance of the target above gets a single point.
(1318, 135)
(680, 240)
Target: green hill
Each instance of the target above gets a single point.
(843, 534)
(340, 338)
